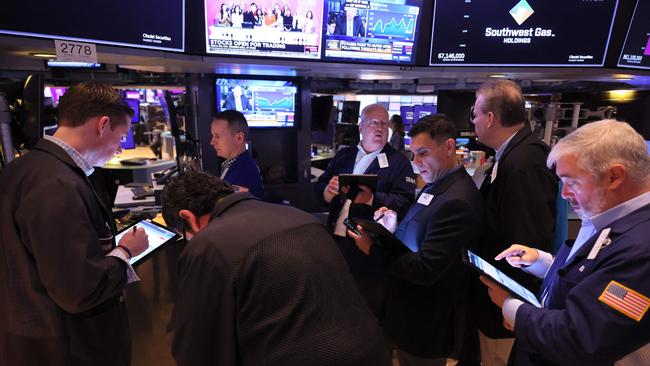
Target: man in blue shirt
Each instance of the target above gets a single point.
(595, 292)
(229, 133)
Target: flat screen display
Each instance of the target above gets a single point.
(265, 103)
(143, 23)
(521, 33)
(127, 141)
(135, 105)
(158, 236)
(636, 50)
(291, 28)
(383, 31)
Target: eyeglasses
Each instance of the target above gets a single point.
(375, 123)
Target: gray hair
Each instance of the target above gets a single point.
(598, 145)
(370, 107)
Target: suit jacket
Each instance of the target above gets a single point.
(264, 284)
(576, 327)
(427, 291)
(358, 30)
(520, 208)
(60, 295)
(245, 172)
(395, 183)
(231, 104)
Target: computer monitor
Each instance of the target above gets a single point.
(521, 33)
(265, 103)
(350, 111)
(128, 142)
(636, 49)
(266, 28)
(373, 31)
(135, 105)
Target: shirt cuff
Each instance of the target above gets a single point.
(509, 310)
(541, 265)
(131, 276)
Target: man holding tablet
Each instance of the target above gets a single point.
(61, 274)
(427, 288)
(596, 291)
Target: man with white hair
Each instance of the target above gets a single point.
(395, 190)
(596, 291)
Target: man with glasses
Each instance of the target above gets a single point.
(261, 284)
(395, 190)
(520, 199)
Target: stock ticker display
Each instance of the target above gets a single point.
(636, 50)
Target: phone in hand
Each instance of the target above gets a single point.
(351, 225)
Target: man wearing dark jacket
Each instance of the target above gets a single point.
(395, 190)
(261, 284)
(61, 275)
(427, 288)
(519, 192)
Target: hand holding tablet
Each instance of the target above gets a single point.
(157, 235)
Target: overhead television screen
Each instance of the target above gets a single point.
(142, 23)
(374, 31)
(265, 103)
(291, 28)
(636, 50)
(521, 32)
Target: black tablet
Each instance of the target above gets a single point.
(159, 236)
(500, 278)
(382, 236)
(353, 181)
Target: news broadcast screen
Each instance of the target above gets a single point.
(142, 23)
(375, 31)
(265, 103)
(636, 50)
(291, 28)
(521, 33)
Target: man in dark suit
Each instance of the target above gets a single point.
(61, 275)
(395, 190)
(427, 290)
(519, 192)
(261, 284)
(350, 24)
(596, 291)
(237, 100)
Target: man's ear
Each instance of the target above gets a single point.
(616, 176)
(103, 125)
(191, 220)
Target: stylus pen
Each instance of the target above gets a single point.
(380, 217)
(134, 228)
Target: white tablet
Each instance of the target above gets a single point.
(159, 236)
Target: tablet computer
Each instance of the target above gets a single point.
(159, 236)
(500, 278)
(381, 235)
(352, 181)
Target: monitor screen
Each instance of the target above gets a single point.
(291, 28)
(128, 142)
(265, 103)
(135, 105)
(420, 111)
(525, 33)
(636, 49)
(142, 23)
(377, 31)
(73, 65)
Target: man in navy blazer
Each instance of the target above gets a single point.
(596, 291)
(229, 132)
(427, 290)
(350, 24)
(395, 190)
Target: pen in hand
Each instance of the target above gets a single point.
(379, 218)
(134, 228)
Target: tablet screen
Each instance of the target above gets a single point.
(507, 282)
(157, 235)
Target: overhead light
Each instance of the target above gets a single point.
(621, 95)
(42, 54)
(497, 75)
(622, 77)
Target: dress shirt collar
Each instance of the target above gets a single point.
(74, 155)
(503, 147)
(601, 220)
